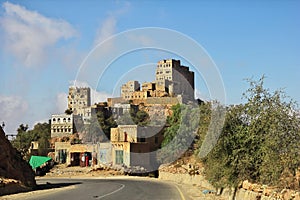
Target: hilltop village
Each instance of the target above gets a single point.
(132, 123)
(128, 135)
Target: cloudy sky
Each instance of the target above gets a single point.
(45, 46)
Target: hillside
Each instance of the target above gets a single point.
(15, 173)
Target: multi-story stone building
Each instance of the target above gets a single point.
(171, 80)
(79, 98)
(79, 102)
(132, 145)
(175, 79)
(64, 124)
(128, 88)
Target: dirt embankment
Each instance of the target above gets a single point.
(65, 171)
(15, 173)
(189, 171)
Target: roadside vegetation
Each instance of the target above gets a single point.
(259, 140)
(100, 124)
(40, 133)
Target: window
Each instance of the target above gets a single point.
(119, 157)
(125, 137)
(142, 137)
(156, 140)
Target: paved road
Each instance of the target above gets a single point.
(131, 189)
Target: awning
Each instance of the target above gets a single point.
(37, 161)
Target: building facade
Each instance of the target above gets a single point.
(171, 80)
(132, 145)
(64, 124)
(128, 88)
(72, 154)
(175, 79)
(78, 99)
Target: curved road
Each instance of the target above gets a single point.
(131, 188)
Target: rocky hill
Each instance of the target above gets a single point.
(12, 166)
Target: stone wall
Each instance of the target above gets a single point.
(198, 180)
(250, 193)
(163, 100)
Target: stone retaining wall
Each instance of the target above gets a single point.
(198, 180)
(241, 194)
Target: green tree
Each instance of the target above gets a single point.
(141, 118)
(22, 140)
(68, 111)
(260, 141)
(125, 119)
(40, 133)
(134, 117)
(99, 127)
(180, 131)
(92, 130)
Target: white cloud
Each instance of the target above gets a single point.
(29, 35)
(106, 30)
(200, 95)
(61, 102)
(41, 121)
(99, 96)
(109, 26)
(141, 39)
(13, 109)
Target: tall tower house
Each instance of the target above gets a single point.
(79, 98)
(175, 79)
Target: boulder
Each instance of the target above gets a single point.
(287, 194)
(12, 165)
(297, 196)
(246, 185)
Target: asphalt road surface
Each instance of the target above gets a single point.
(131, 189)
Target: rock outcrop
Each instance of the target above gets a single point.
(12, 166)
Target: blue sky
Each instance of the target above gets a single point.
(43, 43)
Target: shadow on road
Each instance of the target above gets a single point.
(48, 185)
(16, 188)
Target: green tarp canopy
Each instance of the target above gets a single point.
(36, 161)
